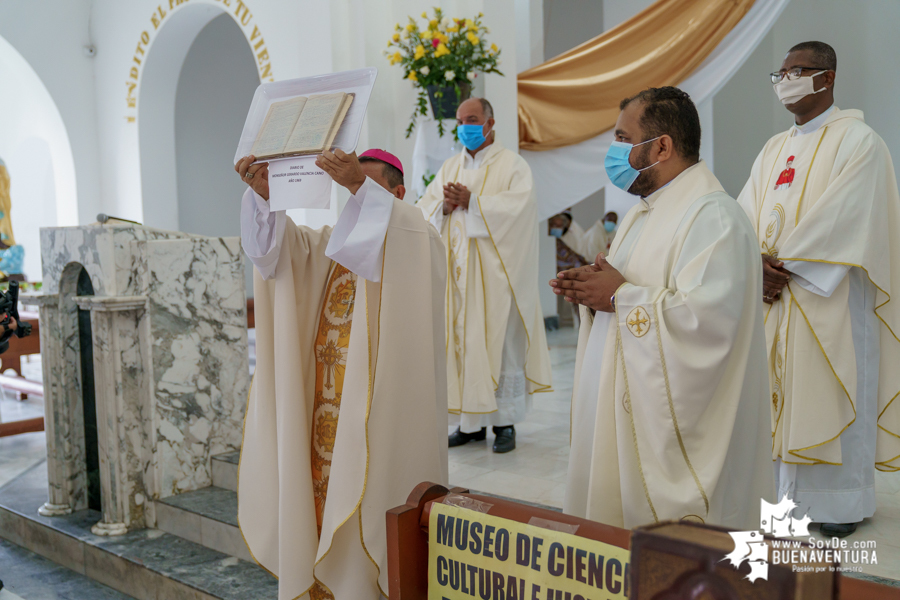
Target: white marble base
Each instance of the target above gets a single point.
(109, 529)
(54, 510)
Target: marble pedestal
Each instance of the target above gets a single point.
(169, 342)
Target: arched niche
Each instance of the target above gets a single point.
(35, 146)
(171, 169)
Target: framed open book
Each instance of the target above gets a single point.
(301, 125)
(306, 116)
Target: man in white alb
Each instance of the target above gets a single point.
(823, 199)
(347, 412)
(669, 415)
(482, 202)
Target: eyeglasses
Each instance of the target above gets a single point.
(793, 74)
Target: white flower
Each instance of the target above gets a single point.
(470, 75)
(424, 70)
(449, 75)
(445, 22)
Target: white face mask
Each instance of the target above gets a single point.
(790, 91)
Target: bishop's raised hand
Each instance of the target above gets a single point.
(256, 176)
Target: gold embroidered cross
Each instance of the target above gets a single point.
(636, 320)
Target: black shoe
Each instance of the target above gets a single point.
(458, 438)
(837, 529)
(505, 440)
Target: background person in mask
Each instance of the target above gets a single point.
(823, 199)
(599, 237)
(570, 242)
(669, 407)
(482, 202)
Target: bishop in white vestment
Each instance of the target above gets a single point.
(482, 201)
(669, 414)
(823, 199)
(347, 412)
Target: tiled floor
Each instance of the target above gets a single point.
(534, 472)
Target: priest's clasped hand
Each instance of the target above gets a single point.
(456, 195)
(344, 169)
(590, 285)
(256, 176)
(775, 277)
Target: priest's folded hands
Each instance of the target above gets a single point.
(456, 195)
(591, 285)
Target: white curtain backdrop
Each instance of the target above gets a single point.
(568, 175)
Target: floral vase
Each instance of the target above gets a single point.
(445, 105)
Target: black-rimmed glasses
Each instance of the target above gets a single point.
(793, 73)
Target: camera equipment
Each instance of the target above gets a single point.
(9, 306)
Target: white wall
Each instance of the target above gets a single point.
(35, 147)
(51, 38)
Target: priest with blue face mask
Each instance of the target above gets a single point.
(670, 415)
(482, 202)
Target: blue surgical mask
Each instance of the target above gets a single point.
(619, 168)
(472, 136)
(609, 226)
(556, 232)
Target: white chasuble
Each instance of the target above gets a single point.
(670, 417)
(391, 429)
(839, 215)
(492, 266)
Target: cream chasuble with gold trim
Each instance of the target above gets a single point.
(347, 411)
(491, 277)
(836, 204)
(669, 411)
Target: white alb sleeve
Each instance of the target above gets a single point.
(818, 278)
(437, 217)
(357, 241)
(475, 226)
(262, 231)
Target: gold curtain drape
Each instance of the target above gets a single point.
(576, 95)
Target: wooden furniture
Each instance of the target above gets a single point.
(407, 542)
(682, 559)
(24, 426)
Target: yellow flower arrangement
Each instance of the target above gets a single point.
(441, 53)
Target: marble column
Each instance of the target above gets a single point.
(120, 359)
(63, 416)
